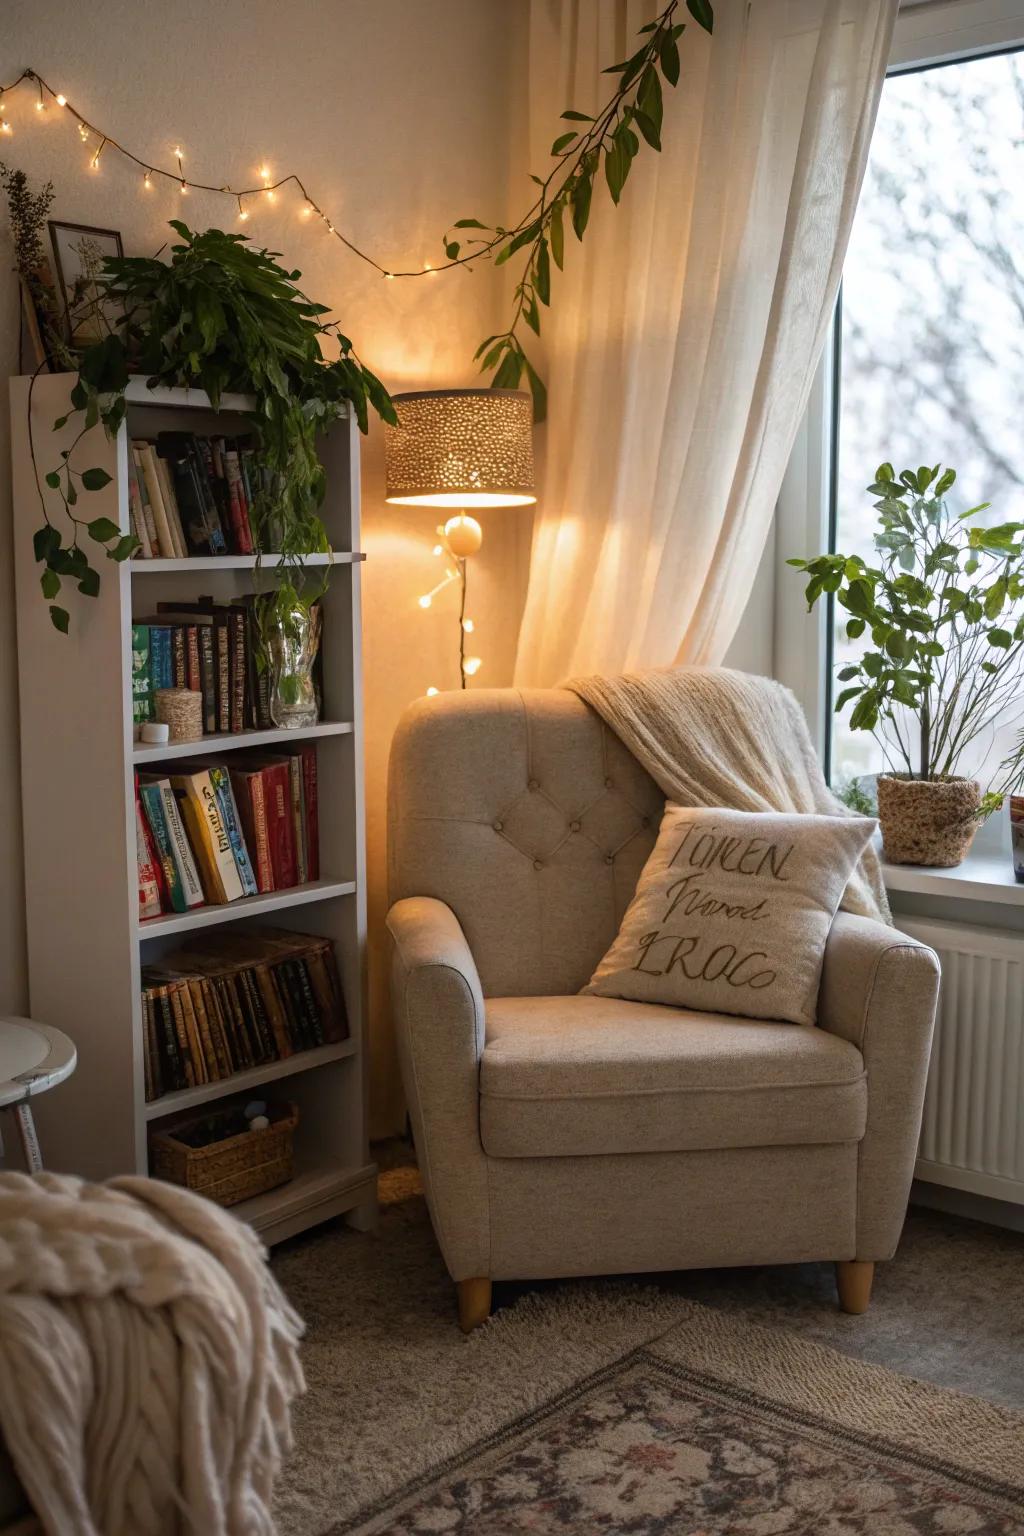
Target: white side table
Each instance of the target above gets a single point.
(33, 1058)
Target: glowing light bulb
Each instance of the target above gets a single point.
(83, 132)
(330, 227)
(264, 173)
(62, 101)
(5, 127)
(438, 550)
(390, 276)
(183, 188)
(472, 665)
(432, 693)
(177, 153)
(39, 106)
(147, 181)
(426, 600)
(468, 626)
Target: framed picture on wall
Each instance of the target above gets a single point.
(79, 251)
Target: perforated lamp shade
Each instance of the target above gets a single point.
(461, 448)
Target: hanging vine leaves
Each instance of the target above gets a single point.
(612, 140)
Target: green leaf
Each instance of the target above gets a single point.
(649, 98)
(124, 548)
(45, 541)
(885, 472)
(537, 390)
(89, 586)
(61, 421)
(581, 195)
(944, 482)
(670, 60)
(845, 697)
(854, 628)
(59, 619)
(616, 168)
(95, 479)
(702, 14)
(556, 233)
(532, 316)
(647, 128)
(102, 529)
(510, 372)
(50, 583)
(1001, 638)
(542, 273)
(469, 224)
(53, 479)
(562, 142)
(451, 249)
(572, 116)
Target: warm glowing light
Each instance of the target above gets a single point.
(390, 276)
(39, 106)
(464, 535)
(468, 626)
(5, 127)
(264, 173)
(330, 226)
(304, 213)
(177, 154)
(147, 181)
(426, 600)
(438, 549)
(83, 132)
(432, 693)
(62, 101)
(473, 665)
(183, 189)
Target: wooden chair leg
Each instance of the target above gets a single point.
(474, 1302)
(853, 1282)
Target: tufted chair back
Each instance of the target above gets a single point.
(529, 818)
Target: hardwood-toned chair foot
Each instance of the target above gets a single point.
(474, 1302)
(853, 1282)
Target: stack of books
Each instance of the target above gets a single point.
(214, 649)
(231, 1001)
(190, 495)
(216, 831)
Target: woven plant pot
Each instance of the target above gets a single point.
(927, 821)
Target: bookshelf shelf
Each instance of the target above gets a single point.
(234, 741)
(86, 943)
(235, 562)
(245, 906)
(240, 1082)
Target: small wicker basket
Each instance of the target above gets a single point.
(242, 1164)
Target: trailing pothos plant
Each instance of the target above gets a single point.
(941, 609)
(610, 139)
(221, 315)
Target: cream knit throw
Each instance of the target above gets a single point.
(147, 1360)
(713, 737)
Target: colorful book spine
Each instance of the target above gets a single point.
(251, 802)
(153, 805)
(149, 885)
(161, 656)
(311, 802)
(220, 778)
(182, 850)
(142, 683)
(209, 840)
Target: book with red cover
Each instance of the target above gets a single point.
(307, 752)
(275, 774)
(250, 797)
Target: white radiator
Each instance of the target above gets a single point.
(972, 1135)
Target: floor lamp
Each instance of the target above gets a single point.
(460, 449)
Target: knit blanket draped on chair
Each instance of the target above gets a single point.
(147, 1359)
(712, 737)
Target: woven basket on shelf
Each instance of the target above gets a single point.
(241, 1165)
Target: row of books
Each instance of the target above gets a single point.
(190, 495)
(231, 1001)
(214, 649)
(214, 831)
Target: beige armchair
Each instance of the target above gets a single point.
(568, 1135)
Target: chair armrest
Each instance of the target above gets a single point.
(439, 1028)
(879, 990)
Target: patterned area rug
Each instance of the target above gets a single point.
(669, 1440)
(608, 1406)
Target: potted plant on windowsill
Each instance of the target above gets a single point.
(944, 661)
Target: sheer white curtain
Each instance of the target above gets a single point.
(685, 331)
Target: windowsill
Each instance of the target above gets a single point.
(984, 875)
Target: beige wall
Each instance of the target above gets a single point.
(402, 117)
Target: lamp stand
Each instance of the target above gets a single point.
(461, 562)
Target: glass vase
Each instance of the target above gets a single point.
(292, 639)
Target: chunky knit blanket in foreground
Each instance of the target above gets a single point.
(147, 1359)
(712, 737)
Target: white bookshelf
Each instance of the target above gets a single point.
(86, 943)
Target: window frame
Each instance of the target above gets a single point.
(927, 34)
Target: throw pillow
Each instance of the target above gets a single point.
(732, 911)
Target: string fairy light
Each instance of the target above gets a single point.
(269, 185)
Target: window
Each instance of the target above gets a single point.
(931, 325)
